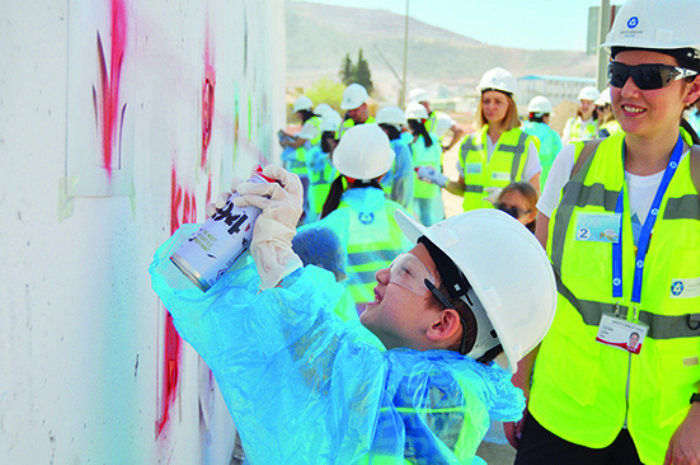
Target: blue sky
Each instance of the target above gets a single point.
(528, 24)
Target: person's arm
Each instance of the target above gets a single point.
(457, 133)
(295, 142)
(684, 447)
(521, 379)
(533, 167)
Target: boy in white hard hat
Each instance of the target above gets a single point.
(413, 382)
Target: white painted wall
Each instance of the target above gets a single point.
(82, 345)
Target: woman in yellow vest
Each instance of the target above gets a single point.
(358, 211)
(585, 125)
(622, 230)
(497, 154)
(426, 152)
(607, 124)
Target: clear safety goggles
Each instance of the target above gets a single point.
(409, 272)
(646, 77)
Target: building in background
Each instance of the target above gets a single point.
(556, 88)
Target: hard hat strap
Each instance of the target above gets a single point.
(450, 274)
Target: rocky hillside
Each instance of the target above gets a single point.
(319, 36)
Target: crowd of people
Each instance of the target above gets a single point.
(385, 332)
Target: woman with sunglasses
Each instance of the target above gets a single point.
(519, 200)
(585, 125)
(413, 383)
(623, 235)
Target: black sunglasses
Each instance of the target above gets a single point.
(512, 210)
(646, 77)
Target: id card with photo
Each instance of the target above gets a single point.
(621, 334)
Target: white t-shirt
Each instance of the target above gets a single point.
(443, 124)
(640, 189)
(532, 162)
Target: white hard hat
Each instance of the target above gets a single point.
(498, 79)
(657, 24)
(539, 104)
(331, 120)
(415, 110)
(513, 290)
(364, 152)
(322, 108)
(303, 103)
(391, 115)
(604, 98)
(354, 96)
(418, 95)
(589, 93)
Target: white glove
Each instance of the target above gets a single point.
(431, 175)
(493, 193)
(281, 206)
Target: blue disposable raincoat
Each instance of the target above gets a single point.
(303, 387)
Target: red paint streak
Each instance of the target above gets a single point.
(207, 99)
(107, 99)
(183, 209)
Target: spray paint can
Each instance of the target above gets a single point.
(221, 240)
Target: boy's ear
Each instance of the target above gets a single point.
(445, 326)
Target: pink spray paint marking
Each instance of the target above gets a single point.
(109, 117)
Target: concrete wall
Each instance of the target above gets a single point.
(119, 120)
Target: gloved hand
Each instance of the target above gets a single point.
(221, 200)
(431, 175)
(493, 193)
(281, 206)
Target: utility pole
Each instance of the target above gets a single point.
(603, 28)
(402, 92)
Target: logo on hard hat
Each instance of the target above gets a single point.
(633, 22)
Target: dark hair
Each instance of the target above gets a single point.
(419, 128)
(391, 130)
(338, 187)
(528, 192)
(325, 144)
(537, 117)
(306, 115)
(447, 268)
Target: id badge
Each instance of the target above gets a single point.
(597, 227)
(621, 334)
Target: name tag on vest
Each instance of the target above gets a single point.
(685, 288)
(597, 227)
(621, 334)
(500, 176)
(473, 168)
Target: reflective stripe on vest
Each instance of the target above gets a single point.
(583, 391)
(348, 123)
(505, 166)
(374, 241)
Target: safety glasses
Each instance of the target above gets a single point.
(409, 272)
(512, 210)
(646, 77)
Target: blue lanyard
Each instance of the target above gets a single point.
(645, 234)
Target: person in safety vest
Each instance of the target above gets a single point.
(539, 110)
(499, 153)
(428, 206)
(354, 102)
(398, 181)
(319, 167)
(437, 123)
(412, 381)
(358, 211)
(620, 218)
(607, 124)
(585, 125)
(692, 114)
(296, 146)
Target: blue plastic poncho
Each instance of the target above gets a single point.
(304, 387)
